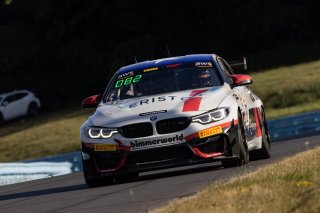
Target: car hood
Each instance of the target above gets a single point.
(178, 104)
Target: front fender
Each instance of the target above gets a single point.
(231, 102)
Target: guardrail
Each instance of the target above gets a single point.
(74, 158)
(280, 129)
(21, 172)
(295, 126)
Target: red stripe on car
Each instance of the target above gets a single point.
(172, 65)
(193, 103)
(256, 117)
(197, 92)
(206, 155)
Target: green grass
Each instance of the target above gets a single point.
(306, 107)
(284, 91)
(41, 136)
(291, 185)
(289, 90)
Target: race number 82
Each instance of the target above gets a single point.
(127, 81)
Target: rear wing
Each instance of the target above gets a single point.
(239, 63)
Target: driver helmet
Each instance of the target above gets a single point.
(204, 78)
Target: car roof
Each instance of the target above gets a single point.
(166, 61)
(15, 91)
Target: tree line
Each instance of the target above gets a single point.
(65, 50)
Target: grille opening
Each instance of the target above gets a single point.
(108, 163)
(159, 154)
(108, 160)
(137, 130)
(172, 125)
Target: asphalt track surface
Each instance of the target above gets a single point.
(68, 193)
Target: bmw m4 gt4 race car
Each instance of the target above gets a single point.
(172, 112)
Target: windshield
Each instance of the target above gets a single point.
(157, 80)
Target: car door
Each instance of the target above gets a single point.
(21, 103)
(9, 108)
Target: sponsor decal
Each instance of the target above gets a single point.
(203, 64)
(209, 132)
(153, 100)
(151, 69)
(223, 125)
(153, 113)
(176, 138)
(192, 102)
(127, 74)
(104, 147)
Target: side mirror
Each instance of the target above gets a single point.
(91, 102)
(240, 80)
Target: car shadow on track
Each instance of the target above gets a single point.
(177, 172)
(42, 192)
(144, 177)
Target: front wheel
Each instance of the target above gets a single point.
(243, 148)
(96, 181)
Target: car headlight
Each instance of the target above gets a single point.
(99, 132)
(212, 116)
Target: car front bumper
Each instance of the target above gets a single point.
(194, 150)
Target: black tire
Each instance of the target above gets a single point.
(96, 181)
(33, 109)
(265, 151)
(243, 148)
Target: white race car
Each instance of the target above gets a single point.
(172, 112)
(17, 104)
